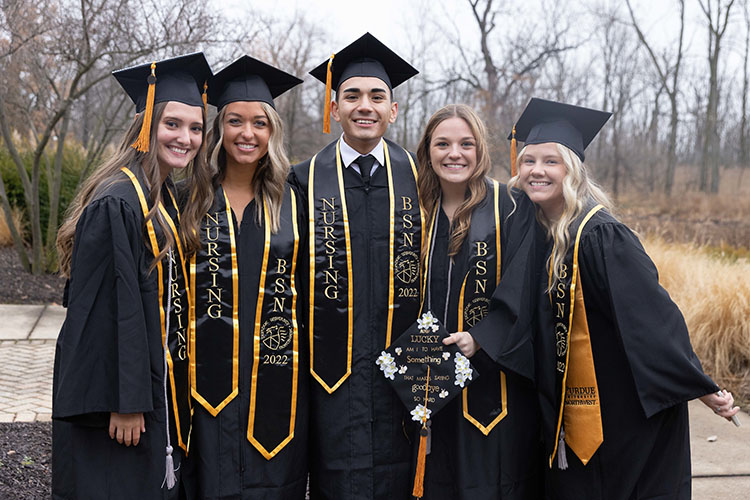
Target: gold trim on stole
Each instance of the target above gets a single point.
(184, 444)
(268, 455)
(350, 291)
(503, 386)
(573, 280)
(214, 411)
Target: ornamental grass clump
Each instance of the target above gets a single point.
(713, 295)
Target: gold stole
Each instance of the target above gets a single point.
(579, 408)
(331, 333)
(174, 341)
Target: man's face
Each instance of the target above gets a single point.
(364, 109)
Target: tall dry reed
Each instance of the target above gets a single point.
(714, 296)
(5, 237)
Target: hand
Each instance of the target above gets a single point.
(721, 403)
(464, 341)
(127, 427)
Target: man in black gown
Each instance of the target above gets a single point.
(362, 278)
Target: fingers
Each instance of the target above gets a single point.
(451, 339)
(112, 428)
(143, 423)
(120, 435)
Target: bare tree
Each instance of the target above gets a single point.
(668, 69)
(87, 39)
(717, 14)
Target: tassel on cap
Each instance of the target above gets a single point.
(327, 105)
(205, 97)
(513, 154)
(418, 490)
(141, 144)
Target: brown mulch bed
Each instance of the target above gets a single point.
(19, 287)
(25, 460)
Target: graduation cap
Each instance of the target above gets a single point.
(549, 121)
(426, 375)
(248, 79)
(178, 79)
(366, 56)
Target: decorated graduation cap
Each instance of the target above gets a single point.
(367, 56)
(248, 79)
(182, 79)
(549, 121)
(426, 375)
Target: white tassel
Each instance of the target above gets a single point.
(562, 458)
(169, 479)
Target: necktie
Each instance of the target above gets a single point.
(365, 166)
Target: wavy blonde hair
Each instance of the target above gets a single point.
(109, 173)
(429, 183)
(579, 191)
(270, 175)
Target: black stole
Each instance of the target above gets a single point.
(562, 298)
(331, 313)
(215, 336)
(176, 340)
(480, 402)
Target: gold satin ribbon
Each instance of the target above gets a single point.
(581, 411)
(582, 414)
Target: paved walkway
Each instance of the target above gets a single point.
(720, 451)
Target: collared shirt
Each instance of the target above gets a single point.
(349, 155)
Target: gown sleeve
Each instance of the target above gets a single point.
(505, 334)
(619, 278)
(102, 362)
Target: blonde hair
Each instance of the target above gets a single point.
(269, 179)
(429, 183)
(109, 172)
(579, 191)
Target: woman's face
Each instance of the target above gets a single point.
(453, 152)
(179, 136)
(541, 175)
(246, 132)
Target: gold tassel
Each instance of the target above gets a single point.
(513, 155)
(141, 144)
(205, 97)
(327, 105)
(418, 490)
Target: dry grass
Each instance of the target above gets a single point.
(5, 237)
(713, 294)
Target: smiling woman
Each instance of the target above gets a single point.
(614, 364)
(249, 379)
(121, 367)
(484, 445)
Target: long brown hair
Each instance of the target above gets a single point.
(270, 175)
(109, 172)
(429, 183)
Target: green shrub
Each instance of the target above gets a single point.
(74, 159)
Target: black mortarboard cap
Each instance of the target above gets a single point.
(248, 79)
(549, 121)
(179, 79)
(426, 375)
(366, 56)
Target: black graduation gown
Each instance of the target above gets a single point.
(227, 464)
(646, 372)
(464, 463)
(361, 435)
(109, 358)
